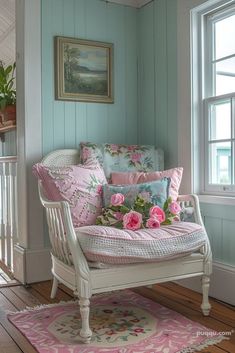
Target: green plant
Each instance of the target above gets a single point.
(7, 88)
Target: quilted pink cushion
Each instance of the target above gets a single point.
(80, 185)
(175, 174)
(119, 246)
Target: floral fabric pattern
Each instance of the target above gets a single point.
(155, 192)
(80, 186)
(128, 158)
(111, 324)
(90, 153)
(114, 157)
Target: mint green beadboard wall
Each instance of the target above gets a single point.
(220, 225)
(8, 147)
(66, 124)
(157, 24)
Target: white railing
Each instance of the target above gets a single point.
(8, 209)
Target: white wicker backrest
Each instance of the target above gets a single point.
(60, 158)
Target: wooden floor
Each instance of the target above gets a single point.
(184, 301)
(6, 278)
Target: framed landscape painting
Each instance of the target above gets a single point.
(83, 70)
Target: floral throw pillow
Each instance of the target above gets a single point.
(80, 185)
(175, 174)
(155, 192)
(128, 158)
(91, 153)
(114, 157)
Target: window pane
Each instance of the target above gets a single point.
(220, 121)
(225, 76)
(220, 163)
(224, 37)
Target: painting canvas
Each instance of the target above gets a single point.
(83, 70)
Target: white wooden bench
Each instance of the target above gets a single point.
(70, 267)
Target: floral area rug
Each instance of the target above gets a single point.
(122, 322)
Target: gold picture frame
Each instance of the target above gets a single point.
(83, 70)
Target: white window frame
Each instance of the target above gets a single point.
(201, 95)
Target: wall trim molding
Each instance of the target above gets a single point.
(222, 285)
(31, 271)
(29, 129)
(132, 3)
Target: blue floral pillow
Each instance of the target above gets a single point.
(155, 191)
(122, 158)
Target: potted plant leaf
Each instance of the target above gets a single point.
(7, 95)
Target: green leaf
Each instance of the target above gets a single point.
(166, 222)
(124, 209)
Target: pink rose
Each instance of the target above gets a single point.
(86, 153)
(117, 199)
(132, 220)
(158, 213)
(118, 216)
(132, 147)
(174, 207)
(114, 148)
(135, 157)
(152, 222)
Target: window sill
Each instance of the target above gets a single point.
(217, 200)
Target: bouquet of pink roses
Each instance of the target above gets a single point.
(143, 214)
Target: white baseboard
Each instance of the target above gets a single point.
(32, 265)
(222, 284)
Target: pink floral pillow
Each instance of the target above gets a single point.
(175, 174)
(80, 185)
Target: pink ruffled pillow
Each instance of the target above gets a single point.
(175, 174)
(80, 185)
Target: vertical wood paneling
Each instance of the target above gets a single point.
(171, 40)
(214, 228)
(47, 78)
(146, 76)
(66, 124)
(8, 147)
(96, 29)
(161, 99)
(131, 75)
(117, 113)
(157, 77)
(220, 225)
(228, 241)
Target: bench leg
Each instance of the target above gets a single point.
(85, 332)
(54, 287)
(205, 306)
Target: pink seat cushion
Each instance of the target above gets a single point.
(80, 185)
(119, 246)
(175, 174)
